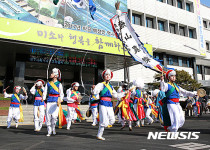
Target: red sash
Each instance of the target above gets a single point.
(38, 98)
(176, 100)
(72, 105)
(95, 104)
(54, 95)
(15, 103)
(106, 99)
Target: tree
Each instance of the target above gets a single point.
(33, 4)
(183, 79)
(45, 12)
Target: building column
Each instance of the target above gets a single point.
(164, 60)
(203, 72)
(194, 69)
(19, 73)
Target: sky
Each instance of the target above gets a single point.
(206, 2)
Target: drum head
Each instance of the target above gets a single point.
(88, 113)
(201, 93)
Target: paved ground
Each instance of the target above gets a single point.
(83, 136)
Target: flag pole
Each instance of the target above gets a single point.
(38, 12)
(117, 5)
(64, 15)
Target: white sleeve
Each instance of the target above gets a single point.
(23, 97)
(33, 90)
(118, 95)
(163, 86)
(133, 93)
(98, 88)
(186, 93)
(61, 91)
(7, 95)
(119, 89)
(45, 92)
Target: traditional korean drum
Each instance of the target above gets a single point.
(201, 92)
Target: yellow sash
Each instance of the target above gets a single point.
(93, 96)
(20, 107)
(172, 84)
(40, 92)
(108, 87)
(17, 97)
(75, 93)
(54, 86)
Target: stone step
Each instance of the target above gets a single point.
(28, 115)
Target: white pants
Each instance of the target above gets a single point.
(106, 117)
(129, 123)
(94, 115)
(176, 116)
(51, 116)
(14, 113)
(147, 113)
(38, 120)
(72, 115)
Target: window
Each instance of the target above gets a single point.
(136, 19)
(156, 56)
(207, 70)
(161, 25)
(181, 31)
(170, 60)
(175, 60)
(172, 28)
(198, 69)
(188, 7)
(170, 2)
(180, 62)
(189, 64)
(149, 22)
(204, 24)
(160, 1)
(190, 33)
(207, 46)
(179, 4)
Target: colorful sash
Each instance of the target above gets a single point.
(21, 109)
(198, 106)
(54, 86)
(40, 92)
(61, 117)
(79, 113)
(140, 108)
(174, 85)
(107, 88)
(126, 109)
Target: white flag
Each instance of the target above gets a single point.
(124, 31)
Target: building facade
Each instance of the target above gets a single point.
(172, 28)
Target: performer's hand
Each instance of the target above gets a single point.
(42, 100)
(117, 5)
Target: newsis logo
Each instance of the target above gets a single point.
(173, 135)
